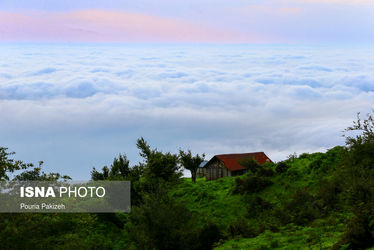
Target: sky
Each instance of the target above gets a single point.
(81, 81)
(208, 21)
(78, 106)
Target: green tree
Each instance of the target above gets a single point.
(120, 167)
(119, 170)
(157, 165)
(250, 164)
(357, 176)
(100, 176)
(9, 165)
(190, 162)
(37, 175)
(161, 222)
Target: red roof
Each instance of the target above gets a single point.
(231, 161)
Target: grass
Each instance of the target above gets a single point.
(214, 201)
(290, 237)
(211, 198)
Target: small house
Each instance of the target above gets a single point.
(201, 171)
(229, 165)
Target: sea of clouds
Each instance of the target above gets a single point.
(78, 106)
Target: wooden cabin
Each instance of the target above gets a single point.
(229, 165)
(201, 171)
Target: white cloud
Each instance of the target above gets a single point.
(98, 99)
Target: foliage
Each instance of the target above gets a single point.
(281, 167)
(37, 175)
(8, 165)
(314, 200)
(250, 164)
(357, 174)
(190, 162)
(161, 223)
(158, 166)
(119, 170)
(250, 184)
(256, 205)
(302, 207)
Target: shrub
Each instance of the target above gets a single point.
(302, 207)
(316, 164)
(209, 235)
(359, 232)
(250, 164)
(293, 174)
(256, 205)
(304, 156)
(282, 215)
(281, 167)
(265, 171)
(241, 228)
(251, 184)
(255, 168)
(327, 194)
(274, 244)
(162, 223)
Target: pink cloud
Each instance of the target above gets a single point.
(346, 2)
(108, 26)
(271, 10)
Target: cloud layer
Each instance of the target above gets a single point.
(77, 106)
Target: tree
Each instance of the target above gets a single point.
(8, 165)
(161, 222)
(158, 165)
(119, 170)
(37, 175)
(357, 176)
(190, 162)
(100, 176)
(358, 163)
(120, 167)
(250, 164)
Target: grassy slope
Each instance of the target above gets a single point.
(212, 199)
(215, 201)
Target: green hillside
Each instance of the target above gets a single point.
(310, 201)
(263, 219)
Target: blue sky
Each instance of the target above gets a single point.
(241, 21)
(77, 106)
(80, 81)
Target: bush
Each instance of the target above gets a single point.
(255, 168)
(302, 207)
(162, 223)
(327, 194)
(250, 164)
(241, 228)
(316, 164)
(281, 167)
(282, 215)
(265, 171)
(293, 174)
(256, 205)
(251, 184)
(304, 156)
(358, 234)
(208, 236)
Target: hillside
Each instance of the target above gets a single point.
(310, 201)
(297, 208)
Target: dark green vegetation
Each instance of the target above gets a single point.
(317, 201)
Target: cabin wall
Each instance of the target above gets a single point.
(201, 172)
(216, 170)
